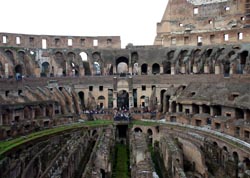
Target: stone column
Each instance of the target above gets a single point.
(183, 69)
(131, 100)
(206, 69)
(161, 70)
(6, 70)
(195, 69)
(115, 99)
(173, 70)
(1, 119)
(217, 69)
(200, 109)
(130, 70)
(114, 69)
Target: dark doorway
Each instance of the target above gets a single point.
(122, 99)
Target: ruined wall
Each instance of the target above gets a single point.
(49, 41)
(203, 23)
(56, 155)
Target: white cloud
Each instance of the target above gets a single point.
(133, 20)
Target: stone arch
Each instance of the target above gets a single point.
(144, 69)
(19, 70)
(21, 55)
(101, 101)
(98, 62)
(45, 69)
(137, 129)
(226, 67)
(236, 162)
(85, 63)
(134, 58)
(155, 68)
(82, 99)
(84, 56)
(61, 63)
(10, 56)
(170, 55)
(122, 64)
(242, 62)
(143, 101)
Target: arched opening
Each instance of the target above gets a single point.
(195, 109)
(144, 69)
(85, 63)
(243, 59)
(45, 69)
(97, 68)
(150, 136)
(142, 101)
(98, 63)
(167, 67)
(236, 162)
(134, 57)
(173, 107)
(247, 163)
(155, 68)
(103, 174)
(18, 72)
(122, 65)
(81, 96)
(205, 109)
(84, 56)
(122, 99)
(209, 52)
(226, 68)
(10, 55)
(137, 129)
(101, 101)
(21, 55)
(239, 113)
(161, 99)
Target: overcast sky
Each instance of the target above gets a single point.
(133, 20)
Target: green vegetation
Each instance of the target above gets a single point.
(121, 162)
(144, 123)
(7, 145)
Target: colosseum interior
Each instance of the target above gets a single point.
(83, 107)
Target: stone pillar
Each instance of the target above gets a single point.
(161, 69)
(170, 107)
(32, 113)
(200, 109)
(1, 119)
(149, 72)
(6, 70)
(177, 108)
(130, 70)
(206, 69)
(195, 69)
(173, 70)
(131, 100)
(82, 72)
(217, 69)
(183, 69)
(115, 99)
(114, 69)
(211, 111)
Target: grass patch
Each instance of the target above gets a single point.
(144, 123)
(7, 145)
(121, 162)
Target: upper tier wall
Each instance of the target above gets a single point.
(48, 41)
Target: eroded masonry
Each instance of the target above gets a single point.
(83, 107)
